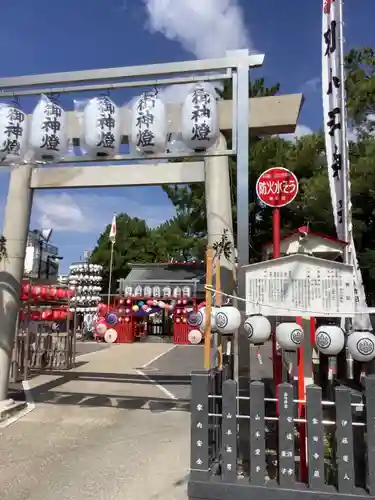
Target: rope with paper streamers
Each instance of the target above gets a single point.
(370, 310)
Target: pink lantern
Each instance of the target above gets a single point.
(184, 320)
(179, 302)
(144, 307)
(183, 311)
(121, 311)
(127, 319)
(178, 311)
(127, 311)
(149, 302)
(60, 293)
(102, 309)
(178, 320)
(184, 302)
(128, 301)
(154, 302)
(36, 291)
(122, 302)
(47, 314)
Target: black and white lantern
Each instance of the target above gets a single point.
(199, 119)
(228, 319)
(289, 336)
(329, 339)
(202, 319)
(101, 128)
(361, 345)
(13, 134)
(149, 124)
(258, 329)
(85, 279)
(48, 140)
(195, 337)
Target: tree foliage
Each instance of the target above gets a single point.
(184, 236)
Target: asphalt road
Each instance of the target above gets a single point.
(101, 431)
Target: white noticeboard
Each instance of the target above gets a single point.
(300, 285)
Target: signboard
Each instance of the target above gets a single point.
(277, 187)
(300, 285)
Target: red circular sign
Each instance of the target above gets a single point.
(277, 187)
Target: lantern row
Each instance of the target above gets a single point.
(37, 292)
(329, 339)
(43, 137)
(157, 292)
(85, 280)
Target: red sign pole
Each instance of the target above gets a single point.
(276, 357)
(276, 187)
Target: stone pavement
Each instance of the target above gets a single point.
(99, 431)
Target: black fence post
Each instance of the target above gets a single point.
(370, 428)
(344, 441)
(286, 436)
(315, 437)
(229, 431)
(257, 434)
(199, 455)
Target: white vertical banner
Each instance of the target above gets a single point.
(336, 142)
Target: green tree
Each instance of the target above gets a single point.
(135, 242)
(360, 85)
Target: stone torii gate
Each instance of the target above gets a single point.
(264, 116)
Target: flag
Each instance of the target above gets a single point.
(337, 149)
(113, 230)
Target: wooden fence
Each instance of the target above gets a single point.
(340, 444)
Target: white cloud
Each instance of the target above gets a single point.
(312, 85)
(301, 130)
(206, 28)
(85, 213)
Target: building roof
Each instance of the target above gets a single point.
(307, 230)
(165, 273)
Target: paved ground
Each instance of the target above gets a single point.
(100, 431)
(89, 346)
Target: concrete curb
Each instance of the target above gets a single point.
(11, 410)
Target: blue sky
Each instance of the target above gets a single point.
(41, 36)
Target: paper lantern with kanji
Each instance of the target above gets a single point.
(199, 119)
(101, 134)
(48, 140)
(148, 124)
(61, 293)
(52, 292)
(13, 134)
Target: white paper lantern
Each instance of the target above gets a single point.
(101, 328)
(147, 292)
(329, 339)
(110, 336)
(202, 325)
(258, 329)
(101, 135)
(361, 346)
(48, 139)
(13, 134)
(195, 337)
(228, 319)
(149, 124)
(193, 318)
(289, 336)
(199, 120)
(167, 291)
